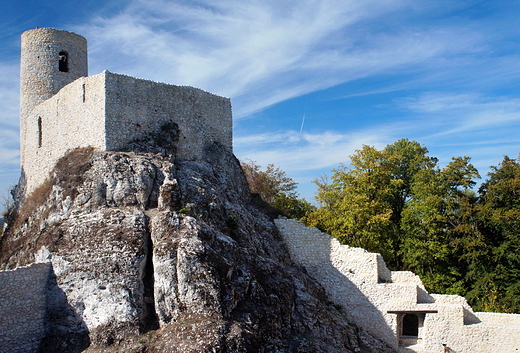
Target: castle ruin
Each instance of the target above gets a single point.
(394, 305)
(62, 108)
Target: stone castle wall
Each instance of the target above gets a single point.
(135, 107)
(107, 111)
(341, 270)
(40, 76)
(377, 299)
(61, 110)
(23, 303)
(74, 117)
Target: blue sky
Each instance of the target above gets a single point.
(310, 81)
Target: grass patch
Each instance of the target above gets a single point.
(68, 174)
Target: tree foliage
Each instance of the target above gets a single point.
(399, 202)
(363, 204)
(436, 224)
(276, 188)
(497, 271)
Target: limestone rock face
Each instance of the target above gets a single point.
(150, 254)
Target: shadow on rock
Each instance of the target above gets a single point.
(66, 332)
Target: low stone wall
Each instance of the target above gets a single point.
(354, 278)
(23, 303)
(377, 299)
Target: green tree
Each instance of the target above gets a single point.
(354, 205)
(497, 275)
(363, 205)
(400, 203)
(276, 188)
(437, 225)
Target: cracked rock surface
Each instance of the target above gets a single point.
(151, 254)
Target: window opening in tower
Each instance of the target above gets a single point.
(64, 61)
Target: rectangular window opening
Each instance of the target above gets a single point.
(39, 131)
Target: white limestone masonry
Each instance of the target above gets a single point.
(60, 111)
(62, 108)
(22, 308)
(379, 300)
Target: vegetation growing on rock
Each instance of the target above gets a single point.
(277, 189)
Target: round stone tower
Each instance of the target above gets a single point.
(50, 59)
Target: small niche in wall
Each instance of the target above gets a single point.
(64, 61)
(83, 92)
(39, 131)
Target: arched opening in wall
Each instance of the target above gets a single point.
(39, 131)
(64, 61)
(409, 328)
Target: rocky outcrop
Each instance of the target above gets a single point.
(151, 254)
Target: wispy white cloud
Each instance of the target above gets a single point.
(466, 113)
(438, 101)
(309, 151)
(450, 125)
(9, 127)
(261, 53)
(9, 92)
(9, 103)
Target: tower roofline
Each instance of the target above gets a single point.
(47, 35)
